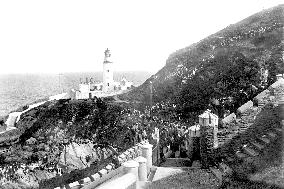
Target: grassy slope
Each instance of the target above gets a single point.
(259, 38)
(264, 171)
(42, 123)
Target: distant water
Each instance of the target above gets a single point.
(20, 89)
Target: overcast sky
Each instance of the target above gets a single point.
(70, 36)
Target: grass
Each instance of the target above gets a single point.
(264, 170)
(189, 178)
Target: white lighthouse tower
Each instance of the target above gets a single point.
(108, 83)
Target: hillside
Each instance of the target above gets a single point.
(47, 136)
(223, 70)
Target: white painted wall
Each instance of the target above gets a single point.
(108, 82)
(84, 88)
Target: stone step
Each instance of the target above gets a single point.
(264, 139)
(257, 145)
(279, 130)
(225, 168)
(249, 159)
(241, 155)
(272, 135)
(250, 151)
(166, 172)
(229, 159)
(242, 129)
(176, 162)
(196, 164)
(217, 172)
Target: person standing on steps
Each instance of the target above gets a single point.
(176, 143)
(163, 143)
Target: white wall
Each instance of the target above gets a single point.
(108, 77)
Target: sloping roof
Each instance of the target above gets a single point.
(208, 114)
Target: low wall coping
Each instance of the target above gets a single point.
(95, 176)
(127, 152)
(103, 172)
(146, 146)
(76, 183)
(131, 149)
(122, 156)
(141, 159)
(109, 167)
(86, 180)
(122, 182)
(131, 163)
(110, 175)
(231, 117)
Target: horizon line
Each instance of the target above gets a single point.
(68, 72)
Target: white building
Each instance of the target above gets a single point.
(108, 82)
(108, 87)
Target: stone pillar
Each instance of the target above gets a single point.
(208, 136)
(142, 169)
(190, 147)
(281, 117)
(131, 166)
(147, 153)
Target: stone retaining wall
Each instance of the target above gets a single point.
(245, 107)
(108, 171)
(230, 118)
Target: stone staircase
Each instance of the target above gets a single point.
(241, 125)
(222, 170)
(248, 151)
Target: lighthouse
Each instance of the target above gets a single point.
(108, 82)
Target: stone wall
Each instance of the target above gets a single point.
(110, 170)
(244, 107)
(230, 118)
(206, 145)
(208, 136)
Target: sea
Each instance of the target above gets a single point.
(17, 90)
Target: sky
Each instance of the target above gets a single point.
(58, 36)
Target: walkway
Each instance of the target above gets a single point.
(175, 174)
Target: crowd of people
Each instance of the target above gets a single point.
(172, 136)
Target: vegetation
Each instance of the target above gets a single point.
(221, 71)
(47, 129)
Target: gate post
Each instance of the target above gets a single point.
(281, 116)
(147, 153)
